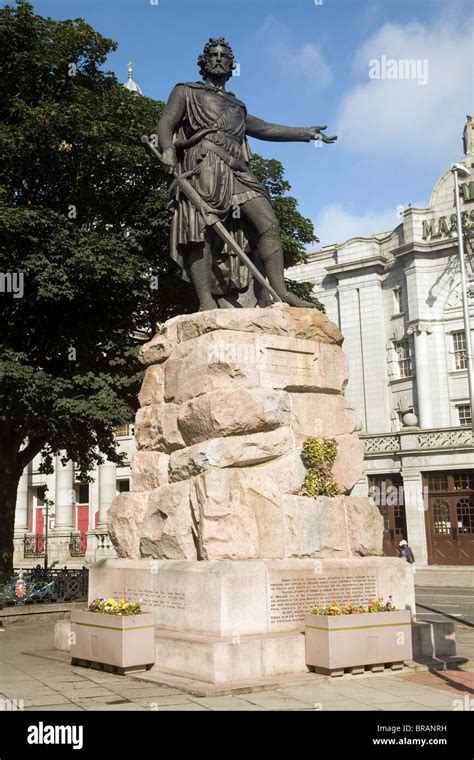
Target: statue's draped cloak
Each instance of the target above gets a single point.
(221, 186)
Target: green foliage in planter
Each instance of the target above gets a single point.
(373, 605)
(319, 456)
(115, 606)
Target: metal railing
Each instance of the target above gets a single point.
(415, 440)
(33, 546)
(78, 544)
(39, 585)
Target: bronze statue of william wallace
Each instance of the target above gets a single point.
(203, 132)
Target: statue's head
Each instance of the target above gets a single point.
(217, 58)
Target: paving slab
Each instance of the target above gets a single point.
(223, 703)
(347, 704)
(158, 702)
(40, 702)
(407, 706)
(70, 706)
(128, 707)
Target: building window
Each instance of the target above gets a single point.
(463, 480)
(39, 496)
(397, 301)
(441, 517)
(465, 515)
(403, 352)
(437, 481)
(124, 430)
(459, 349)
(82, 493)
(464, 414)
(123, 485)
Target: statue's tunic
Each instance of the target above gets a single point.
(225, 179)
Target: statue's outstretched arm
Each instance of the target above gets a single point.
(265, 130)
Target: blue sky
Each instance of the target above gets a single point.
(306, 62)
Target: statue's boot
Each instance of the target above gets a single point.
(293, 300)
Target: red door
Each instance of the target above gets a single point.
(82, 517)
(40, 542)
(39, 521)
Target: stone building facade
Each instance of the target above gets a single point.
(396, 297)
(77, 521)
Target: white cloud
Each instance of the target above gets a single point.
(399, 119)
(335, 224)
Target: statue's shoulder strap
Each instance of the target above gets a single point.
(229, 96)
(194, 85)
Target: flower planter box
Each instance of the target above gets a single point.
(335, 642)
(119, 642)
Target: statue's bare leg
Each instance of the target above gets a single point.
(199, 262)
(259, 213)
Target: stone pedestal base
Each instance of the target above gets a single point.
(238, 620)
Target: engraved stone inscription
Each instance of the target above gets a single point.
(155, 598)
(283, 362)
(292, 598)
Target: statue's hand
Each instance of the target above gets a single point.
(315, 133)
(169, 160)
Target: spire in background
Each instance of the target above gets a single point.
(130, 84)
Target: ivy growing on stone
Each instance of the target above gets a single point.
(319, 456)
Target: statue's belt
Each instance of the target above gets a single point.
(238, 164)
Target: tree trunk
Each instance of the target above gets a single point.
(13, 460)
(10, 473)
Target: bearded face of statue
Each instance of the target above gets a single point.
(219, 62)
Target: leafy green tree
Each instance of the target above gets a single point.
(83, 237)
(85, 274)
(296, 230)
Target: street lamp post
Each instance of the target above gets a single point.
(46, 508)
(459, 169)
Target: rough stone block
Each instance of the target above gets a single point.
(234, 451)
(226, 525)
(156, 428)
(365, 526)
(148, 470)
(280, 319)
(349, 463)
(224, 413)
(167, 531)
(125, 520)
(152, 390)
(321, 414)
(229, 360)
(156, 350)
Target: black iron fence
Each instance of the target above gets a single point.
(78, 544)
(38, 586)
(34, 546)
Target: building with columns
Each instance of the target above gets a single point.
(396, 297)
(77, 520)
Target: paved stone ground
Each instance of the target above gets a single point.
(450, 576)
(51, 685)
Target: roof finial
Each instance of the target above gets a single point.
(130, 84)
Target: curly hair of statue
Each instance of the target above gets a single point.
(213, 42)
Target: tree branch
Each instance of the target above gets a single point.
(31, 450)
